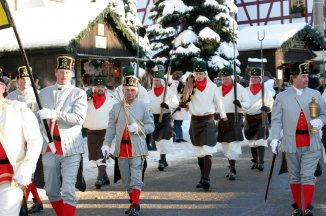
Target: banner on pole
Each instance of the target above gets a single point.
(4, 20)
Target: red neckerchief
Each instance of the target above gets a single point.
(226, 89)
(158, 91)
(98, 100)
(255, 88)
(201, 85)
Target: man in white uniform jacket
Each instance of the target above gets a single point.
(230, 131)
(163, 130)
(203, 104)
(20, 147)
(254, 130)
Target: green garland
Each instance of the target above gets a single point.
(126, 32)
(307, 31)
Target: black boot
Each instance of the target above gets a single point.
(106, 180)
(161, 165)
(261, 153)
(254, 158)
(254, 164)
(296, 211)
(200, 183)
(308, 211)
(162, 162)
(130, 207)
(233, 173)
(98, 184)
(206, 183)
(36, 207)
(134, 211)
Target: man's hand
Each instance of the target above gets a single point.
(133, 127)
(164, 105)
(24, 173)
(316, 123)
(46, 113)
(265, 109)
(274, 145)
(183, 105)
(105, 150)
(237, 103)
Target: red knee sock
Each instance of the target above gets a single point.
(130, 196)
(135, 196)
(69, 210)
(296, 194)
(58, 207)
(34, 192)
(308, 193)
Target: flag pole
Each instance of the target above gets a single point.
(23, 53)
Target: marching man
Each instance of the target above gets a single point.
(65, 106)
(255, 132)
(230, 131)
(202, 106)
(97, 118)
(25, 93)
(20, 148)
(163, 132)
(302, 146)
(129, 122)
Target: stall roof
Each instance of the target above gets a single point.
(58, 25)
(275, 36)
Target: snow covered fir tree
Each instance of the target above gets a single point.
(187, 30)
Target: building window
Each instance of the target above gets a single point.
(297, 8)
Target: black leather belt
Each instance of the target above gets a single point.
(302, 132)
(126, 141)
(57, 138)
(4, 161)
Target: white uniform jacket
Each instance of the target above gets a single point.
(20, 134)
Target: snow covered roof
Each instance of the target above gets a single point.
(59, 24)
(275, 35)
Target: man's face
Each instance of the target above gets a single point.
(227, 80)
(254, 79)
(23, 83)
(301, 81)
(100, 90)
(199, 76)
(3, 88)
(63, 76)
(157, 82)
(130, 93)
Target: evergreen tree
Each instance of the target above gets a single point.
(187, 30)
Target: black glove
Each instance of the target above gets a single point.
(183, 105)
(265, 109)
(178, 108)
(237, 103)
(164, 105)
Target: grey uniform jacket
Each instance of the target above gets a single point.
(285, 115)
(139, 113)
(71, 106)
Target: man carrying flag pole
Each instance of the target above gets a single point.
(7, 21)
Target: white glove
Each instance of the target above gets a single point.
(133, 127)
(316, 123)
(274, 146)
(46, 113)
(24, 174)
(105, 150)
